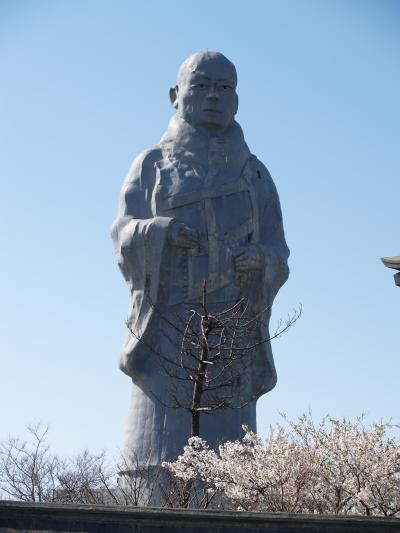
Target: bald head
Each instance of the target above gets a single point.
(199, 59)
(205, 94)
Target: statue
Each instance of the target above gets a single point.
(196, 207)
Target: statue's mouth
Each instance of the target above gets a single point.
(212, 111)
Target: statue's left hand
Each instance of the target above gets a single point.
(246, 258)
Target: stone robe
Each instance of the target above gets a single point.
(217, 187)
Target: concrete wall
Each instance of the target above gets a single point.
(49, 518)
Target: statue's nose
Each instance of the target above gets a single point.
(213, 93)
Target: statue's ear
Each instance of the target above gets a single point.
(173, 96)
(236, 103)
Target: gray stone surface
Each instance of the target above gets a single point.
(197, 206)
(22, 517)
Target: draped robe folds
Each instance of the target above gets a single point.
(216, 186)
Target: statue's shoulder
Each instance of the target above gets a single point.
(263, 175)
(143, 166)
(261, 169)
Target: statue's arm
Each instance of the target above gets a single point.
(136, 223)
(272, 243)
(139, 236)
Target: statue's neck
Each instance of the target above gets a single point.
(183, 142)
(181, 136)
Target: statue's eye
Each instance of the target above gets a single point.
(226, 87)
(201, 85)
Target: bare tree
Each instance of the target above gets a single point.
(208, 370)
(28, 470)
(87, 478)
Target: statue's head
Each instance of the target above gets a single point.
(205, 93)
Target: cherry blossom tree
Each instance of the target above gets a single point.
(334, 467)
(331, 467)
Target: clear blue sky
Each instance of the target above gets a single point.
(84, 88)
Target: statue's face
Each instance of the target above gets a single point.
(206, 95)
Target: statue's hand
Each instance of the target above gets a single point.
(247, 258)
(179, 234)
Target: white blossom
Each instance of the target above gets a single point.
(334, 467)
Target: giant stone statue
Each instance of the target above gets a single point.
(198, 206)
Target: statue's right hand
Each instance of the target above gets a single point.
(179, 234)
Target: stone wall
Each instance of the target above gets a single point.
(48, 518)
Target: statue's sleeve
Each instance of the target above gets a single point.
(271, 234)
(139, 236)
